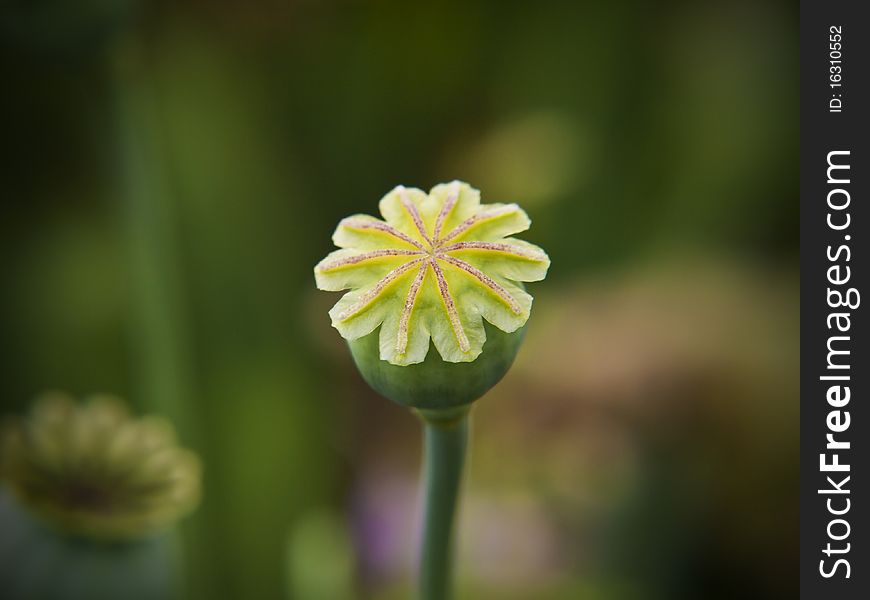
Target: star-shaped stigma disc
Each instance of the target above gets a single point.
(434, 268)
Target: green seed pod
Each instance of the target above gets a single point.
(92, 471)
(88, 501)
(436, 384)
(438, 270)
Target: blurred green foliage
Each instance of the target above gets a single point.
(173, 170)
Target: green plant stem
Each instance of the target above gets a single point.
(160, 340)
(149, 215)
(444, 456)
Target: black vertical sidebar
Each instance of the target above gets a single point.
(835, 225)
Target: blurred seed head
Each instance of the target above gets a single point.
(92, 470)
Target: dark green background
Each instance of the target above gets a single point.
(173, 170)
